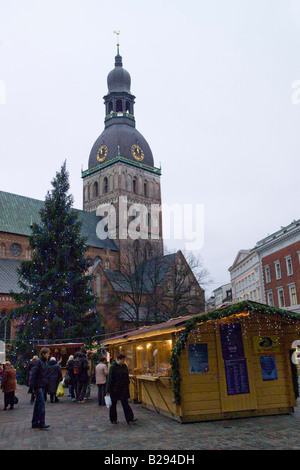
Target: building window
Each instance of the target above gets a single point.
(15, 249)
(270, 299)
(98, 285)
(105, 185)
(2, 249)
(293, 294)
(268, 274)
(281, 301)
(289, 266)
(105, 292)
(134, 185)
(5, 327)
(277, 269)
(145, 189)
(85, 193)
(95, 189)
(119, 106)
(128, 108)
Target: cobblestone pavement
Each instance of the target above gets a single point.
(75, 426)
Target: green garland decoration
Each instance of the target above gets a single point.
(217, 315)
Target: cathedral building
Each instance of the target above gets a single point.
(121, 214)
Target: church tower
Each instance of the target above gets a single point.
(121, 172)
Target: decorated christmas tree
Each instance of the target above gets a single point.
(56, 300)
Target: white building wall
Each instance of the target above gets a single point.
(246, 278)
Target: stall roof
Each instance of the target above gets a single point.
(60, 345)
(177, 324)
(174, 324)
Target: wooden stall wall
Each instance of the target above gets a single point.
(200, 392)
(157, 395)
(204, 394)
(276, 394)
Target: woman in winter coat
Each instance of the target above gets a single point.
(72, 378)
(9, 385)
(53, 377)
(101, 378)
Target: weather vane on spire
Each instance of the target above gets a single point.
(117, 32)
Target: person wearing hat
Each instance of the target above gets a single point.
(9, 385)
(53, 377)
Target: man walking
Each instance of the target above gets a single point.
(37, 382)
(118, 388)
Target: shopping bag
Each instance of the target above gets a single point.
(107, 400)
(60, 390)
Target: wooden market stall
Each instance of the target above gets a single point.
(228, 363)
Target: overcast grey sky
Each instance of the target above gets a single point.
(213, 82)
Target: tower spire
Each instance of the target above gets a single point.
(117, 32)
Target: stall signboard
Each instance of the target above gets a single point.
(266, 344)
(232, 341)
(268, 368)
(237, 377)
(236, 372)
(198, 358)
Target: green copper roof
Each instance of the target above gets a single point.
(121, 159)
(18, 213)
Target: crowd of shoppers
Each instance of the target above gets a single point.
(45, 376)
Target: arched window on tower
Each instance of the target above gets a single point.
(151, 190)
(128, 183)
(95, 189)
(123, 181)
(128, 107)
(119, 106)
(105, 185)
(134, 185)
(145, 189)
(110, 107)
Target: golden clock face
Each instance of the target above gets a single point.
(137, 152)
(102, 153)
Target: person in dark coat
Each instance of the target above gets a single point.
(72, 378)
(37, 382)
(81, 373)
(118, 388)
(53, 377)
(9, 385)
(35, 358)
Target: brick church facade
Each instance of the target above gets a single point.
(121, 175)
